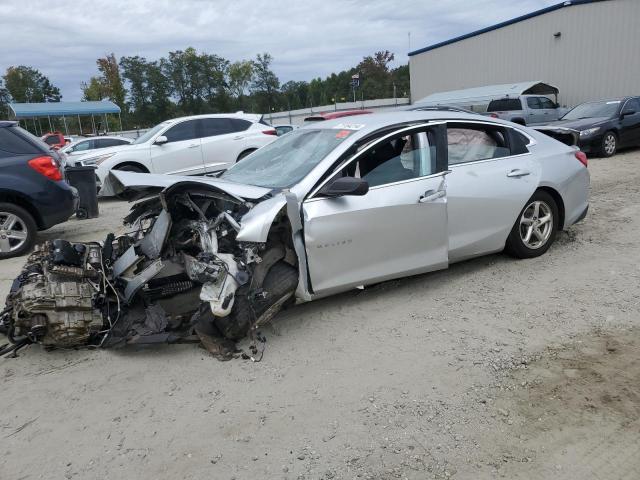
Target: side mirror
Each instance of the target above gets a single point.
(345, 186)
(161, 140)
(627, 113)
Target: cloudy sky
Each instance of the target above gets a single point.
(306, 38)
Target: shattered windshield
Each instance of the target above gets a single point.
(593, 110)
(288, 160)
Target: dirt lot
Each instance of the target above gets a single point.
(494, 368)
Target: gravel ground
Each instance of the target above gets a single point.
(493, 368)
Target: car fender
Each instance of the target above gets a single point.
(255, 224)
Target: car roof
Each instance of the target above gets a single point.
(7, 123)
(252, 117)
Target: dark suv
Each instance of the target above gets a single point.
(33, 193)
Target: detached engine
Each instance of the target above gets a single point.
(178, 276)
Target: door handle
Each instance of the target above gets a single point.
(431, 195)
(238, 138)
(517, 173)
(194, 145)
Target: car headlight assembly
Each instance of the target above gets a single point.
(98, 159)
(589, 131)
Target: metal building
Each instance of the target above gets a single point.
(589, 49)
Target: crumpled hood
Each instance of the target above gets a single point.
(581, 124)
(140, 185)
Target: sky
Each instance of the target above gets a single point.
(308, 39)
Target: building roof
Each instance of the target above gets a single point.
(488, 93)
(558, 6)
(58, 109)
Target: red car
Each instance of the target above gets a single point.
(55, 140)
(332, 115)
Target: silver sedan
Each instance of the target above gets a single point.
(333, 206)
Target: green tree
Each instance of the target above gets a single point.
(93, 91)
(240, 76)
(376, 79)
(4, 100)
(110, 78)
(265, 84)
(26, 84)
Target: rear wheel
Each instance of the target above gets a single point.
(609, 145)
(17, 230)
(245, 153)
(279, 285)
(130, 168)
(536, 227)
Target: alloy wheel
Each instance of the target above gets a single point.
(13, 232)
(610, 144)
(536, 224)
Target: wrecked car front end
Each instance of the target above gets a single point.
(183, 272)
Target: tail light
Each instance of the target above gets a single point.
(582, 158)
(46, 166)
(494, 115)
(270, 132)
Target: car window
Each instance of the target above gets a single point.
(240, 125)
(281, 130)
(399, 158)
(11, 143)
(504, 104)
(52, 140)
(182, 131)
(109, 142)
(546, 103)
(633, 105)
(473, 143)
(210, 127)
(534, 102)
(81, 146)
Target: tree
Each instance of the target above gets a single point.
(265, 83)
(26, 84)
(4, 99)
(240, 76)
(376, 80)
(93, 91)
(111, 80)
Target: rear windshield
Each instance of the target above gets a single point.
(15, 140)
(504, 104)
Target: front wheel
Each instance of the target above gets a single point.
(536, 227)
(609, 145)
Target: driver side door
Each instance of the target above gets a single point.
(398, 228)
(182, 153)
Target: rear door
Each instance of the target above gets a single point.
(398, 228)
(222, 142)
(182, 154)
(492, 176)
(549, 110)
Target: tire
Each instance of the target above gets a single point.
(609, 145)
(525, 227)
(244, 154)
(130, 168)
(279, 284)
(23, 226)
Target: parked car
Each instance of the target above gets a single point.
(525, 109)
(605, 125)
(333, 115)
(82, 145)
(33, 194)
(284, 128)
(196, 145)
(55, 140)
(324, 209)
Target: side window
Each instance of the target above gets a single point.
(546, 103)
(632, 105)
(399, 158)
(109, 142)
(52, 140)
(12, 143)
(182, 131)
(210, 127)
(82, 146)
(470, 143)
(534, 103)
(240, 125)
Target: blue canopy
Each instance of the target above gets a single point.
(58, 109)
